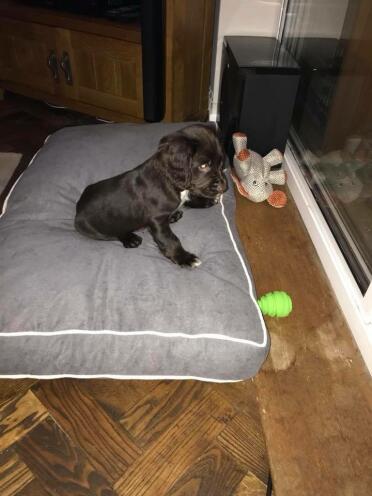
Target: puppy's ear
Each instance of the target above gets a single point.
(175, 153)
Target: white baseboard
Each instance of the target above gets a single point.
(342, 281)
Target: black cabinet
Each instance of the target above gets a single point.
(258, 91)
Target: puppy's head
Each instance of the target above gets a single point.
(195, 160)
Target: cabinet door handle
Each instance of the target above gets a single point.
(52, 63)
(66, 67)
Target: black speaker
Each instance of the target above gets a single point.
(258, 91)
(153, 54)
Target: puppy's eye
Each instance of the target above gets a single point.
(205, 167)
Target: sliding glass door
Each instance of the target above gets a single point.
(332, 124)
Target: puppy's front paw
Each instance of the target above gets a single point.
(186, 259)
(196, 262)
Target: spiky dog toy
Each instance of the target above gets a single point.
(253, 176)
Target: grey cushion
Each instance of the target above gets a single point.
(75, 306)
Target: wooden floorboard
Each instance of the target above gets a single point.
(10, 389)
(188, 438)
(19, 416)
(242, 395)
(14, 474)
(118, 397)
(243, 440)
(34, 488)
(214, 472)
(107, 445)
(60, 466)
(251, 486)
(157, 411)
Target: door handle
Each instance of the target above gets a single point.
(52, 63)
(65, 65)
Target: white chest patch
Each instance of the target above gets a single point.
(184, 197)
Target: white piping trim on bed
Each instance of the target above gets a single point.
(264, 330)
(221, 337)
(154, 333)
(119, 377)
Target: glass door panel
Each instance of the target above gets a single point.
(332, 123)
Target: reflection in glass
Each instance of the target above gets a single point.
(332, 122)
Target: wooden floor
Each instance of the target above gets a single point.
(313, 397)
(105, 437)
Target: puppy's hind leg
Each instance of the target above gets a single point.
(130, 240)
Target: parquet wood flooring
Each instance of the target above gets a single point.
(176, 438)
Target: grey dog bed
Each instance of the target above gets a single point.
(72, 306)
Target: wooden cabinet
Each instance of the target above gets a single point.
(103, 71)
(24, 53)
(100, 71)
(95, 66)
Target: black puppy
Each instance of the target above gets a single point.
(186, 169)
